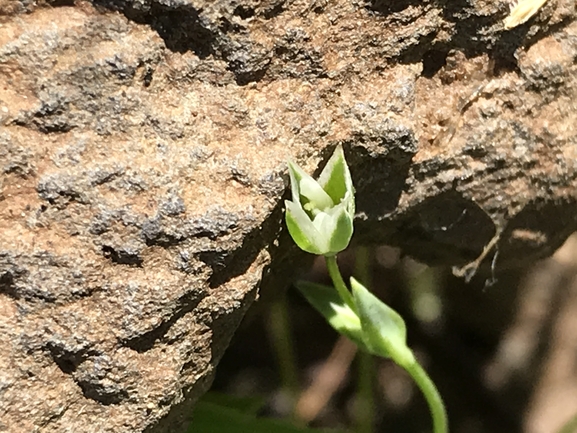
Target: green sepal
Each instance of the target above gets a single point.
(341, 228)
(302, 229)
(320, 215)
(335, 179)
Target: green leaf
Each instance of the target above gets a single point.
(384, 330)
(246, 405)
(213, 418)
(328, 303)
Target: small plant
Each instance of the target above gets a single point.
(320, 220)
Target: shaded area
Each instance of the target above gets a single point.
(498, 354)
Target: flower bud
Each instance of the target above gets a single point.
(320, 215)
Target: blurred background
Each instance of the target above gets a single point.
(502, 349)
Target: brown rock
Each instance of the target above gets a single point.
(142, 170)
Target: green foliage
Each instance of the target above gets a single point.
(219, 413)
(336, 312)
(384, 330)
(320, 219)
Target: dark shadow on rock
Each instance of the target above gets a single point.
(7, 285)
(184, 305)
(230, 264)
(446, 228)
(90, 370)
(433, 61)
(532, 234)
(387, 7)
(379, 179)
(122, 256)
(379, 182)
(67, 358)
(501, 46)
(180, 27)
(184, 28)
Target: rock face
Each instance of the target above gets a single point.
(142, 169)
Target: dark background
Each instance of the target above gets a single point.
(502, 349)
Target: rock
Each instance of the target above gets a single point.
(142, 171)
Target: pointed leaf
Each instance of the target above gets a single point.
(326, 301)
(384, 330)
(330, 221)
(209, 417)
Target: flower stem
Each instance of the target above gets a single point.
(280, 335)
(338, 281)
(429, 390)
(365, 404)
(365, 409)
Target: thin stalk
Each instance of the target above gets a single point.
(282, 343)
(338, 281)
(429, 390)
(365, 403)
(363, 266)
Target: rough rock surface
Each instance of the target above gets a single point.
(142, 170)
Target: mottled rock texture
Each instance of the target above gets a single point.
(142, 170)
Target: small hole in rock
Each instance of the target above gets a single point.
(433, 61)
(57, 3)
(244, 12)
(121, 257)
(7, 284)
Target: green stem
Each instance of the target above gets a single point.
(281, 340)
(363, 266)
(338, 281)
(365, 404)
(432, 396)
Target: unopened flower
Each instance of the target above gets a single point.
(320, 215)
